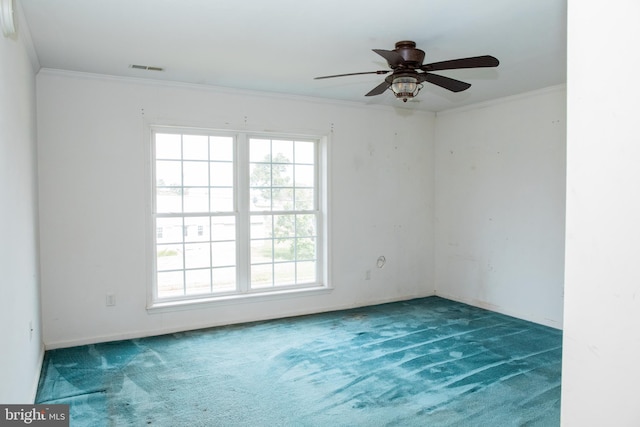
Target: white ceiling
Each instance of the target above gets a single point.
(280, 45)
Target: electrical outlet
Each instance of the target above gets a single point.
(111, 300)
(367, 275)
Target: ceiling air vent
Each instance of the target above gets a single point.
(146, 67)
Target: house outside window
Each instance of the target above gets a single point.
(235, 214)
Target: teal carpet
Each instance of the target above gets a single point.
(425, 362)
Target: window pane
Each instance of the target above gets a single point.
(284, 226)
(282, 199)
(170, 284)
(197, 229)
(223, 254)
(261, 251)
(170, 229)
(259, 150)
(221, 148)
(305, 225)
(195, 174)
(305, 176)
(260, 199)
(284, 250)
(168, 257)
(223, 228)
(196, 199)
(282, 151)
(282, 175)
(306, 272)
(168, 173)
(197, 255)
(168, 146)
(198, 281)
(306, 248)
(304, 199)
(195, 147)
(260, 175)
(261, 226)
(284, 274)
(221, 174)
(305, 152)
(168, 200)
(224, 279)
(222, 200)
(261, 276)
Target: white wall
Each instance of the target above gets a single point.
(601, 372)
(500, 202)
(93, 214)
(21, 350)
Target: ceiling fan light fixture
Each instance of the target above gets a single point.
(405, 87)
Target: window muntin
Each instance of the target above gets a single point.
(234, 224)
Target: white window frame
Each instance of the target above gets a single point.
(242, 215)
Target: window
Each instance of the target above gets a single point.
(234, 214)
(283, 215)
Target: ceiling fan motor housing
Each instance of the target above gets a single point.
(412, 56)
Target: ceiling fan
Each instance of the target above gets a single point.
(408, 72)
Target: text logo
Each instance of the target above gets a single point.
(34, 415)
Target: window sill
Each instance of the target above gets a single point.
(211, 301)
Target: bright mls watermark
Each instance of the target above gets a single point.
(34, 415)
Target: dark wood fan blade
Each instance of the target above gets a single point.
(379, 89)
(393, 58)
(473, 62)
(445, 82)
(352, 74)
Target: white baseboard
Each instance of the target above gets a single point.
(491, 307)
(171, 330)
